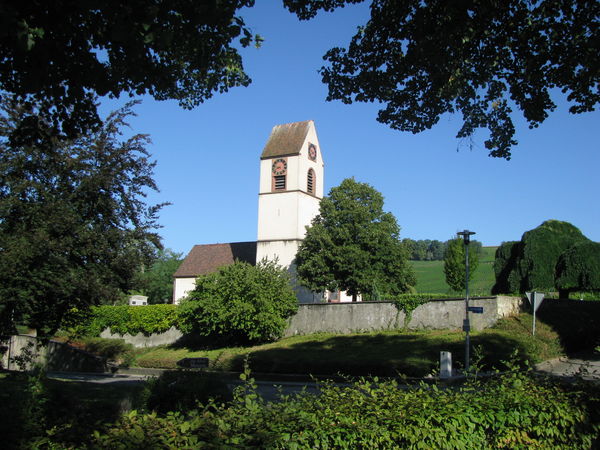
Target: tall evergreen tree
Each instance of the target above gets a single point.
(455, 263)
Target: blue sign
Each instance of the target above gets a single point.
(476, 309)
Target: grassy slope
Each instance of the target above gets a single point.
(384, 353)
(430, 275)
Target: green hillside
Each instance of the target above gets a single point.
(430, 275)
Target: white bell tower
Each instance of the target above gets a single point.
(291, 187)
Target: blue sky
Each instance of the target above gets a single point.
(208, 158)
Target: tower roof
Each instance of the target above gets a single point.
(286, 139)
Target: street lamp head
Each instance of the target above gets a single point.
(466, 235)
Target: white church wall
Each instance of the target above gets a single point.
(308, 208)
(285, 251)
(278, 216)
(181, 287)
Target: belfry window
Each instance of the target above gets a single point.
(310, 182)
(279, 182)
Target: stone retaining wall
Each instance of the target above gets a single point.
(377, 316)
(368, 316)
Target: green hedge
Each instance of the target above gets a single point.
(130, 319)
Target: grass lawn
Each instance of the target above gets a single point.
(431, 278)
(383, 353)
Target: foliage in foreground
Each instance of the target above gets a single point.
(240, 303)
(512, 410)
(419, 60)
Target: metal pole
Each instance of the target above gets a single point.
(466, 235)
(467, 339)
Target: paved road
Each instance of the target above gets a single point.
(588, 368)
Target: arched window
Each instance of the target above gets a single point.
(311, 182)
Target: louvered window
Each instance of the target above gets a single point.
(310, 182)
(279, 182)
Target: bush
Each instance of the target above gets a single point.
(112, 349)
(240, 302)
(129, 319)
(578, 269)
(530, 264)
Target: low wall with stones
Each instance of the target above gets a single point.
(378, 316)
(22, 352)
(140, 340)
(368, 316)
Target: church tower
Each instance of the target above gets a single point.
(291, 187)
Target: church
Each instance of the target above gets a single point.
(290, 189)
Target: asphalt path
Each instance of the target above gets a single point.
(587, 368)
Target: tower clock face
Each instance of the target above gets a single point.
(279, 166)
(312, 152)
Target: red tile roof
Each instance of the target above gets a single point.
(203, 259)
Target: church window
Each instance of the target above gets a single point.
(279, 182)
(310, 182)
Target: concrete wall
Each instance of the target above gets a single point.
(369, 316)
(23, 352)
(376, 316)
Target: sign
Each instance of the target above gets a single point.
(535, 299)
(476, 309)
(193, 363)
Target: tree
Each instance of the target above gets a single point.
(530, 264)
(354, 246)
(454, 263)
(74, 227)
(157, 281)
(62, 55)
(578, 269)
(240, 302)
(480, 58)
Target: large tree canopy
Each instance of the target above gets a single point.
(421, 59)
(354, 246)
(63, 54)
(74, 226)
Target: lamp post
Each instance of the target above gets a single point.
(466, 235)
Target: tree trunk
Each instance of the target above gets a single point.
(353, 297)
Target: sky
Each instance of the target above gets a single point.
(208, 158)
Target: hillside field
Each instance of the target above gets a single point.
(431, 279)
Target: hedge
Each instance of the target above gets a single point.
(130, 319)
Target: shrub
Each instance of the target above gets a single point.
(578, 268)
(530, 264)
(240, 302)
(129, 319)
(113, 349)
